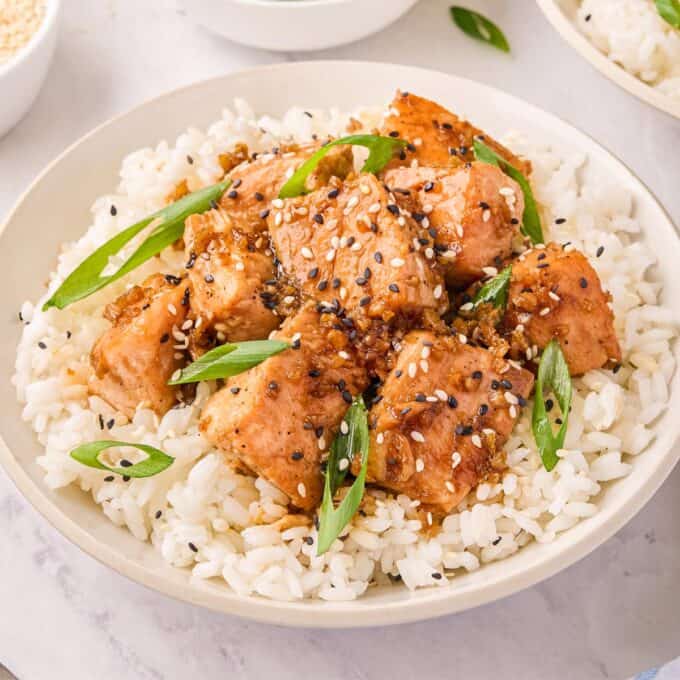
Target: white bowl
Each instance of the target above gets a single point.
(30, 242)
(562, 15)
(22, 77)
(296, 25)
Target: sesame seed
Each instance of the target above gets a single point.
(343, 464)
(420, 465)
(397, 262)
(343, 355)
(344, 427)
(318, 218)
(462, 339)
(380, 438)
(302, 491)
(451, 489)
(393, 287)
(438, 291)
(599, 251)
(486, 215)
(114, 211)
(330, 255)
(306, 253)
(510, 398)
(333, 193)
(476, 441)
(583, 282)
(417, 436)
(544, 312)
(412, 368)
(554, 296)
(192, 547)
(277, 203)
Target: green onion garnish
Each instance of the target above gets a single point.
(669, 11)
(553, 374)
(167, 226)
(345, 446)
(495, 291)
(156, 461)
(531, 221)
(380, 152)
(229, 359)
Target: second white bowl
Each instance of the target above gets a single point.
(296, 25)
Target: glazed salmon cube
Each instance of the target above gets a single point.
(279, 418)
(446, 410)
(136, 357)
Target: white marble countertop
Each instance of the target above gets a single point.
(63, 615)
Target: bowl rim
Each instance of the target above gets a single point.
(359, 613)
(52, 8)
(610, 69)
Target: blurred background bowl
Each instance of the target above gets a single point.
(22, 77)
(296, 25)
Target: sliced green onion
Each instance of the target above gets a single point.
(669, 11)
(553, 374)
(531, 221)
(477, 26)
(229, 359)
(380, 152)
(156, 461)
(167, 226)
(495, 291)
(344, 448)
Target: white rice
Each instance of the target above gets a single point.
(634, 35)
(220, 524)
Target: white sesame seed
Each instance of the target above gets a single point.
(486, 215)
(397, 262)
(420, 465)
(554, 296)
(476, 440)
(330, 255)
(438, 290)
(176, 374)
(455, 459)
(417, 141)
(374, 208)
(513, 412)
(490, 271)
(528, 354)
(468, 306)
(401, 221)
(506, 191)
(425, 352)
(380, 438)
(544, 312)
(172, 309)
(510, 398)
(335, 242)
(306, 253)
(356, 246)
(344, 427)
(429, 519)
(417, 436)
(288, 300)
(322, 443)
(277, 203)
(441, 395)
(343, 355)
(365, 189)
(278, 218)
(429, 253)
(449, 486)
(354, 200)
(539, 246)
(302, 491)
(343, 464)
(343, 293)
(432, 399)
(462, 339)
(428, 208)
(424, 366)
(187, 325)
(239, 266)
(412, 368)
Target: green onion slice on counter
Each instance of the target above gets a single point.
(167, 226)
(155, 462)
(553, 374)
(228, 359)
(381, 150)
(479, 27)
(345, 447)
(531, 221)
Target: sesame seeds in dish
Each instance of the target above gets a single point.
(223, 519)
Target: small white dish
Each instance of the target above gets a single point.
(22, 77)
(31, 237)
(296, 25)
(562, 15)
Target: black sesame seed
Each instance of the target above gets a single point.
(313, 273)
(521, 400)
(476, 375)
(126, 478)
(484, 205)
(109, 478)
(436, 575)
(335, 283)
(393, 287)
(191, 261)
(394, 133)
(514, 220)
(297, 455)
(365, 301)
(483, 409)
(209, 278)
(496, 541)
(452, 401)
(405, 411)
(411, 147)
(541, 256)
(543, 265)
(192, 547)
(616, 369)
(350, 241)
(452, 151)
(190, 160)
(307, 426)
(560, 220)
(110, 424)
(599, 251)
(258, 196)
(158, 514)
(264, 214)
(125, 463)
(377, 256)
(318, 218)
(549, 403)
(506, 384)
(333, 193)
(583, 282)
(101, 421)
(319, 431)
(347, 396)
(173, 280)
(232, 194)
(164, 338)
(558, 421)
(360, 281)
(367, 273)
(308, 540)
(341, 384)
(420, 397)
(42, 345)
(314, 373)
(398, 373)
(213, 204)
(237, 183)
(235, 390)
(588, 17)
(114, 210)
(322, 285)
(295, 344)
(374, 227)
(273, 385)
(393, 208)
(428, 186)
